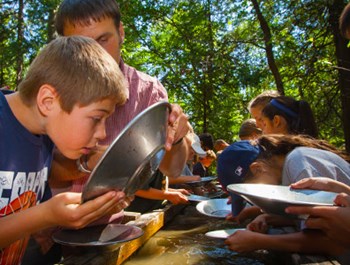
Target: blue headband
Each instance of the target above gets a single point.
(283, 108)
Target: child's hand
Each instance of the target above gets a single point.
(65, 209)
(321, 183)
(176, 197)
(242, 241)
(259, 224)
(245, 214)
(333, 221)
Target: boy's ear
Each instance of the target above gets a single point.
(46, 99)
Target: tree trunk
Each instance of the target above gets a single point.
(20, 37)
(268, 47)
(343, 59)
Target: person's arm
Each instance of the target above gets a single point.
(303, 242)
(61, 210)
(177, 145)
(184, 179)
(321, 183)
(262, 222)
(245, 214)
(175, 197)
(332, 220)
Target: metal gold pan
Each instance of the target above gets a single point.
(275, 198)
(134, 155)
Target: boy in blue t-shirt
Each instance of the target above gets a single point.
(69, 91)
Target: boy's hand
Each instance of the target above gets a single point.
(65, 209)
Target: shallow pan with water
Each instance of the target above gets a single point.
(214, 208)
(275, 199)
(134, 155)
(106, 237)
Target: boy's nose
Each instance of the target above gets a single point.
(101, 132)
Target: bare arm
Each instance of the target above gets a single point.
(304, 242)
(184, 179)
(332, 220)
(61, 210)
(262, 222)
(321, 183)
(177, 145)
(175, 197)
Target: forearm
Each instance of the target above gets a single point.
(277, 220)
(311, 242)
(18, 225)
(174, 160)
(339, 187)
(184, 179)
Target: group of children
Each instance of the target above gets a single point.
(287, 153)
(78, 95)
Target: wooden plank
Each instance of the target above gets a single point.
(150, 223)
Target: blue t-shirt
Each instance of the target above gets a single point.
(25, 160)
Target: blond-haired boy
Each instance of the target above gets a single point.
(69, 91)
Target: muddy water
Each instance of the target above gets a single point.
(182, 242)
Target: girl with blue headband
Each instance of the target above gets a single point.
(285, 115)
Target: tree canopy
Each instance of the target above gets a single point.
(213, 56)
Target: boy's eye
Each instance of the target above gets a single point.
(96, 119)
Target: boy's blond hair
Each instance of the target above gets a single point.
(79, 69)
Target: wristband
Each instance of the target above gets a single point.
(82, 164)
(178, 141)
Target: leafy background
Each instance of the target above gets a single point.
(213, 56)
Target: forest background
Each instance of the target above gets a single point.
(214, 56)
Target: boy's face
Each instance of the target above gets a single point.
(78, 132)
(103, 31)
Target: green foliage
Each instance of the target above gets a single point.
(210, 55)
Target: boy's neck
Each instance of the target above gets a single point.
(27, 116)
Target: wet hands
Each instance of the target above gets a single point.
(65, 209)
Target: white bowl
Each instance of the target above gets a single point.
(214, 208)
(275, 199)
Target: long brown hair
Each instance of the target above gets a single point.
(278, 144)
